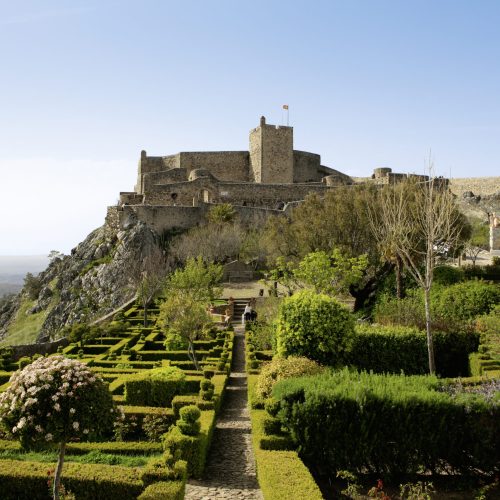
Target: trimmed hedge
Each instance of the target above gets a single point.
(389, 423)
(164, 490)
(402, 349)
(283, 476)
(28, 481)
(193, 449)
(4, 377)
(155, 387)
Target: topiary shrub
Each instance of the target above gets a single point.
(189, 423)
(209, 371)
(155, 387)
(283, 368)
(313, 325)
(206, 390)
(24, 361)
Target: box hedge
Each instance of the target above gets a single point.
(388, 349)
(164, 490)
(389, 423)
(28, 481)
(155, 387)
(193, 449)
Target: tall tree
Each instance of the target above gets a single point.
(418, 220)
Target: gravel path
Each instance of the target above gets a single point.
(230, 471)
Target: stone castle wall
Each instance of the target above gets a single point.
(482, 186)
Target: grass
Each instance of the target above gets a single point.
(94, 457)
(25, 327)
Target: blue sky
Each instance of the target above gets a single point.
(85, 85)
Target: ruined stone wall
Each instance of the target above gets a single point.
(183, 193)
(165, 177)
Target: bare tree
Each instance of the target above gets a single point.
(417, 220)
(151, 273)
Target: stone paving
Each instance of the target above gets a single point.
(230, 471)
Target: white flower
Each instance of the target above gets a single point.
(72, 410)
(57, 407)
(49, 437)
(85, 431)
(76, 426)
(38, 428)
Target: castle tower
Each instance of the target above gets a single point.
(271, 154)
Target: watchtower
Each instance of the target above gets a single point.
(271, 154)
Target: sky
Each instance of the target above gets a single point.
(86, 85)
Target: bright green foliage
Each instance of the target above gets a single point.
(155, 387)
(331, 273)
(393, 349)
(282, 368)
(466, 300)
(389, 423)
(197, 280)
(315, 326)
(171, 490)
(283, 476)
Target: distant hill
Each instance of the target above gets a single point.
(7, 288)
(13, 268)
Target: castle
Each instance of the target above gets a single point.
(175, 191)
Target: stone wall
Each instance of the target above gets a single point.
(223, 165)
(162, 218)
(478, 185)
(306, 167)
(18, 351)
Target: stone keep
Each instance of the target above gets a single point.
(271, 154)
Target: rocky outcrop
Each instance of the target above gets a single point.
(95, 279)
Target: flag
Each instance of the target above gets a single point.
(285, 106)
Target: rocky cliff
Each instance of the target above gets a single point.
(95, 279)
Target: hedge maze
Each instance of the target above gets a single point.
(168, 412)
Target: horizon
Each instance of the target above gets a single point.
(90, 85)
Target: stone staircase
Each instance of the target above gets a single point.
(239, 307)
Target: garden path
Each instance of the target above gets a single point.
(230, 471)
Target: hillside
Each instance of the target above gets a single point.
(95, 279)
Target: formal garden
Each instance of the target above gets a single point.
(372, 371)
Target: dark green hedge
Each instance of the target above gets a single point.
(389, 423)
(28, 481)
(396, 350)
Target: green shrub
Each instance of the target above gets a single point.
(448, 275)
(155, 387)
(189, 423)
(193, 449)
(313, 325)
(86, 481)
(389, 423)
(393, 349)
(282, 368)
(283, 476)
(464, 301)
(171, 490)
(24, 361)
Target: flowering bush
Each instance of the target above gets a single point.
(56, 399)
